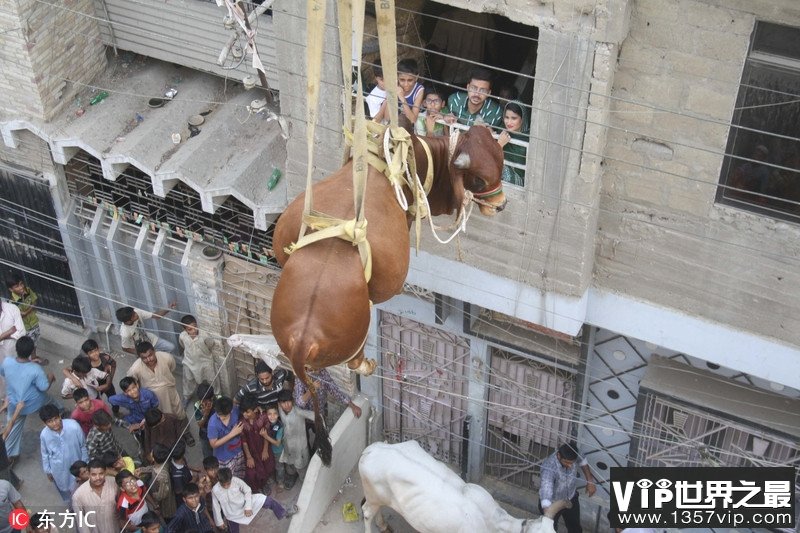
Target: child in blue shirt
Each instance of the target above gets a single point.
(274, 435)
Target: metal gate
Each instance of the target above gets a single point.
(531, 407)
(424, 386)
(31, 238)
(247, 291)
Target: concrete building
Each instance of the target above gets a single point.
(639, 294)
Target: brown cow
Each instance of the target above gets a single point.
(321, 306)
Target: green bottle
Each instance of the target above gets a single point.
(98, 98)
(274, 179)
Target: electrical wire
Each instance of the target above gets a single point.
(789, 257)
(775, 166)
(132, 257)
(562, 186)
(506, 406)
(241, 296)
(531, 391)
(589, 92)
(699, 181)
(177, 267)
(522, 409)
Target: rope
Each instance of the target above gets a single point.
(326, 227)
(399, 164)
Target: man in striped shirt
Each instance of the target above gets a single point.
(266, 386)
(468, 107)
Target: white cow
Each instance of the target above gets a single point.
(431, 497)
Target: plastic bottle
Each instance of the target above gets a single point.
(98, 98)
(274, 178)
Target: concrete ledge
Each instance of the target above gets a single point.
(349, 438)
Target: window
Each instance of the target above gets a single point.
(447, 43)
(761, 171)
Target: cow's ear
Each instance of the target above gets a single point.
(457, 180)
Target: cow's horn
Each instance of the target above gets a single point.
(556, 507)
(462, 161)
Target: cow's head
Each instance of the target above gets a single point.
(477, 166)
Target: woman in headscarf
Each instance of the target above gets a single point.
(515, 119)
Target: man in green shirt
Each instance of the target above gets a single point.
(25, 299)
(474, 104)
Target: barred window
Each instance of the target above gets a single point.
(761, 171)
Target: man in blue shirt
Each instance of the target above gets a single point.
(475, 105)
(136, 401)
(25, 382)
(62, 443)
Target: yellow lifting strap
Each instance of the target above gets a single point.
(328, 227)
(377, 154)
(315, 37)
(387, 39)
(351, 17)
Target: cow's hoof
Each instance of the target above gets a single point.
(367, 367)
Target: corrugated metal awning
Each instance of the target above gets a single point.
(233, 154)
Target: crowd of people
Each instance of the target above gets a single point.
(254, 444)
(430, 109)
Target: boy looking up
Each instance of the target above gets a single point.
(435, 109)
(82, 375)
(103, 362)
(136, 401)
(25, 299)
(192, 514)
(85, 408)
(295, 454)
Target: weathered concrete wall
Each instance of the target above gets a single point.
(205, 279)
(662, 238)
(322, 484)
(47, 47)
(545, 236)
(290, 49)
(602, 21)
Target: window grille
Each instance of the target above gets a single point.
(231, 228)
(671, 434)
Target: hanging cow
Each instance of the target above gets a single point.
(321, 306)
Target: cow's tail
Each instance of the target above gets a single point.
(322, 439)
